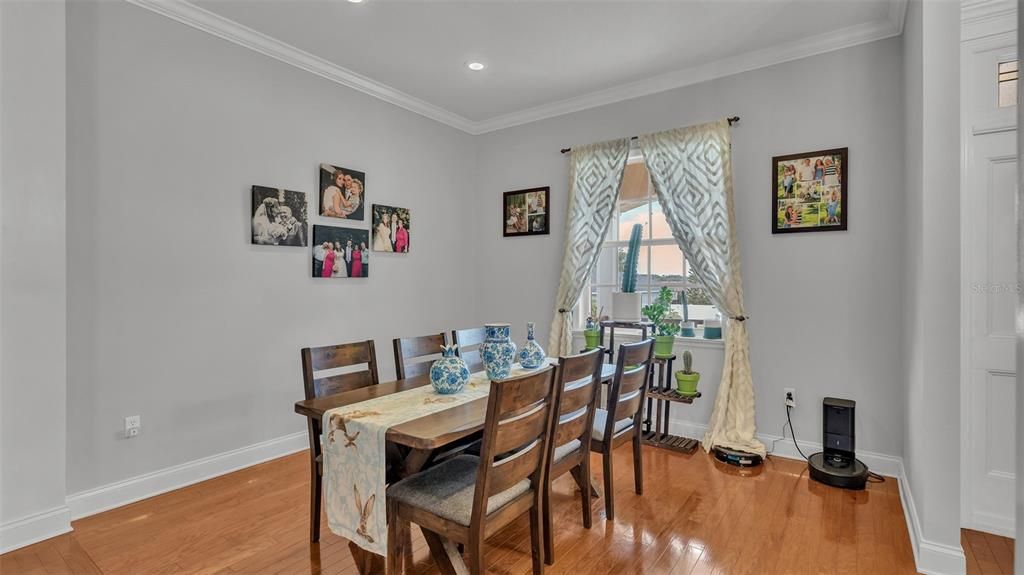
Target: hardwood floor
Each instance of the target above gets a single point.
(987, 554)
(696, 516)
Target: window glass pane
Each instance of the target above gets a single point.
(1008, 84)
(1008, 93)
(659, 225)
(628, 217)
(667, 264)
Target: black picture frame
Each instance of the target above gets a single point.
(526, 212)
(795, 200)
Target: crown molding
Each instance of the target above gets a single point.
(199, 18)
(979, 11)
(809, 46)
(226, 29)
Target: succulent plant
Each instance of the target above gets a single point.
(632, 258)
(687, 362)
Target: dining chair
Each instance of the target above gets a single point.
(468, 342)
(423, 348)
(625, 403)
(314, 361)
(577, 384)
(467, 499)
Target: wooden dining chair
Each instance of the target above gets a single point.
(577, 384)
(625, 402)
(469, 341)
(319, 359)
(467, 499)
(423, 349)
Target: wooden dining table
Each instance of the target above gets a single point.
(416, 442)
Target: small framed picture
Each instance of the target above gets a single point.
(526, 212)
(340, 252)
(391, 229)
(342, 193)
(278, 217)
(809, 192)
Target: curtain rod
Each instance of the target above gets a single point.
(732, 120)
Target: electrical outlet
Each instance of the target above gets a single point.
(790, 395)
(132, 426)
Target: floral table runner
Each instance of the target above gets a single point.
(354, 454)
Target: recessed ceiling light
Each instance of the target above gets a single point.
(476, 66)
(356, 1)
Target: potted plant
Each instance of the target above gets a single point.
(686, 380)
(665, 328)
(626, 303)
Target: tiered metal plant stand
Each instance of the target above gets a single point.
(612, 324)
(661, 394)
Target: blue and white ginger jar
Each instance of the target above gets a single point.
(498, 351)
(532, 355)
(450, 373)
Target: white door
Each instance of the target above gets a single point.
(990, 288)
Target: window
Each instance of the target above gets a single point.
(661, 262)
(1008, 84)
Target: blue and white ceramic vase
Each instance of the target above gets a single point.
(498, 351)
(532, 355)
(449, 374)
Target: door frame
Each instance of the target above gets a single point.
(980, 31)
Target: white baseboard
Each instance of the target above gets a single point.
(931, 558)
(92, 501)
(34, 528)
(1004, 525)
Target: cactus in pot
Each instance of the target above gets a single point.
(626, 303)
(687, 379)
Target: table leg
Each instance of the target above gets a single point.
(445, 553)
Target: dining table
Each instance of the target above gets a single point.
(417, 443)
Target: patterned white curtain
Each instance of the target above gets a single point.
(691, 169)
(595, 175)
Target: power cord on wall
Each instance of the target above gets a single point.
(872, 476)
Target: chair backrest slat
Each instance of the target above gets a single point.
(632, 371)
(576, 391)
(516, 431)
(318, 359)
(423, 349)
(515, 468)
(469, 341)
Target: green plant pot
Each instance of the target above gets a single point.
(592, 337)
(686, 383)
(663, 345)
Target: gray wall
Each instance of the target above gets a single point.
(172, 313)
(824, 307)
(33, 292)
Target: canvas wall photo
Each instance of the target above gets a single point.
(525, 212)
(809, 191)
(340, 252)
(342, 192)
(391, 229)
(278, 217)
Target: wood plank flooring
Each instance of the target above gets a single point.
(987, 554)
(697, 516)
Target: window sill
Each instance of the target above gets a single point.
(685, 342)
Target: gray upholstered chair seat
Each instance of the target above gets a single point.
(446, 490)
(600, 420)
(566, 449)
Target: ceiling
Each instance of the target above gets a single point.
(543, 58)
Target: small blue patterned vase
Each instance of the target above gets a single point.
(532, 355)
(449, 374)
(498, 351)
